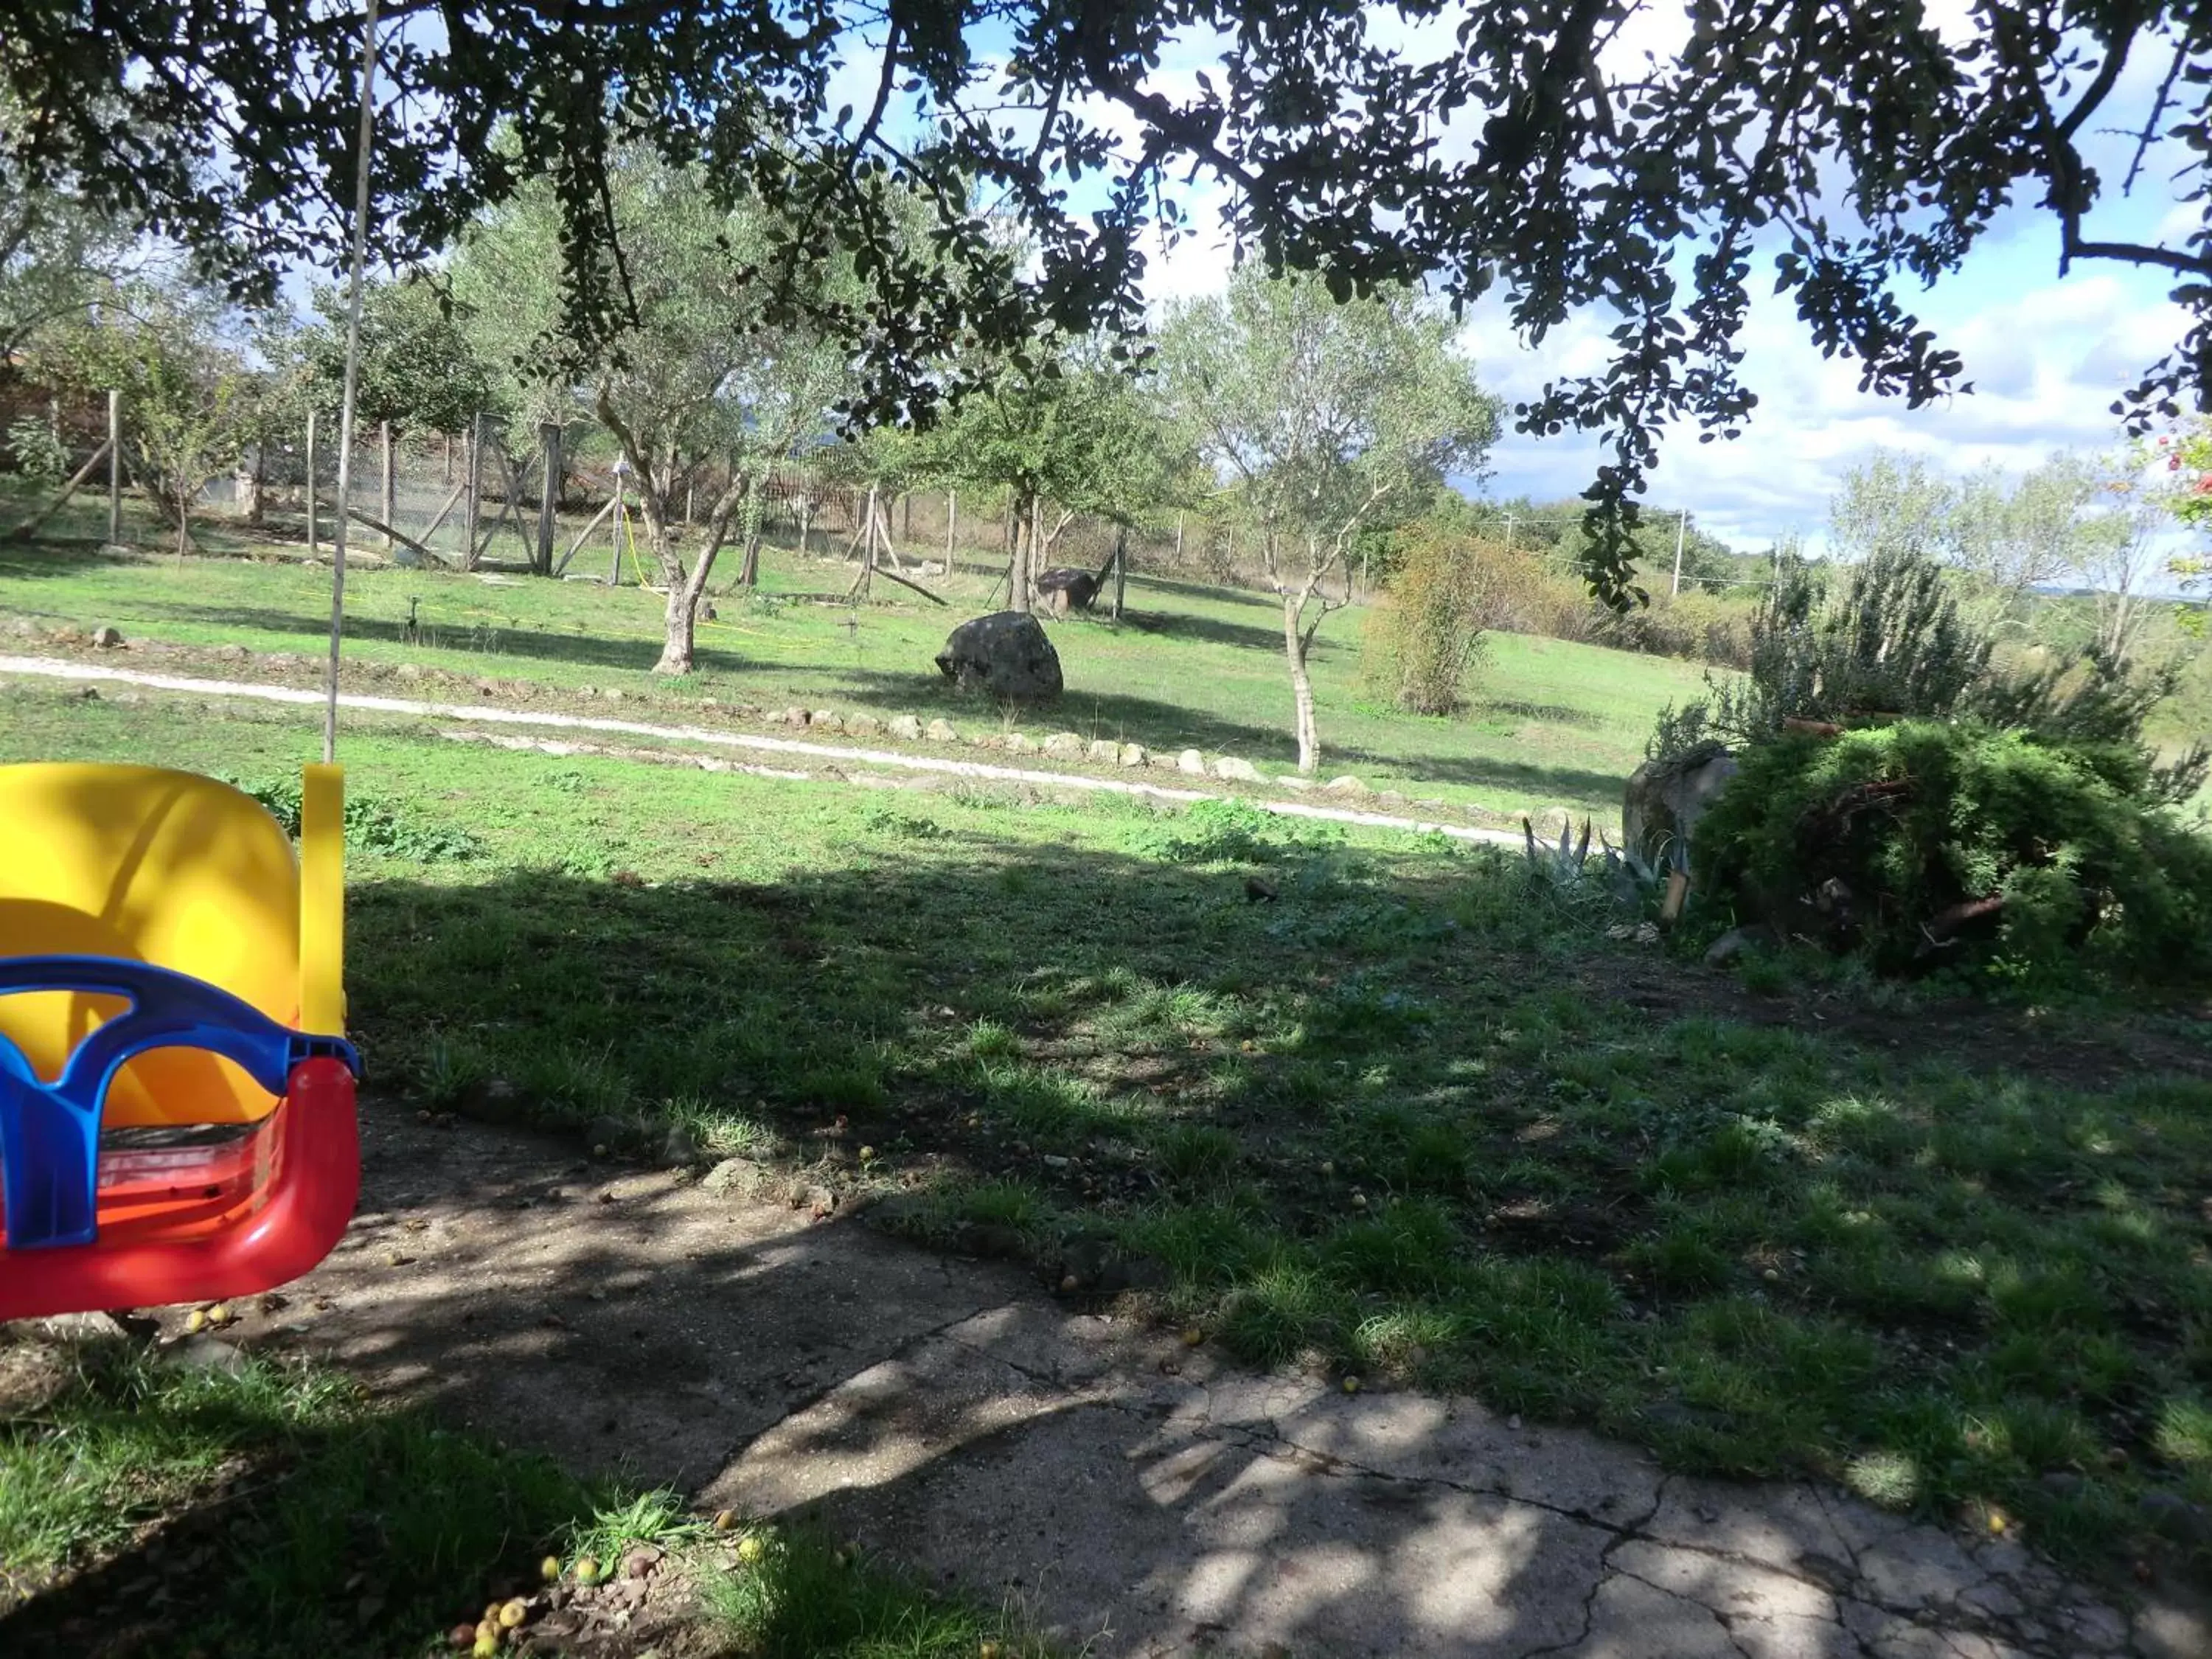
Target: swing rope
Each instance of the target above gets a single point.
(362, 147)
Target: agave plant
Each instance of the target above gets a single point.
(1562, 866)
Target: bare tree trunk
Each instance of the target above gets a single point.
(1295, 641)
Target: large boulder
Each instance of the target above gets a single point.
(1066, 590)
(1665, 799)
(1005, 654)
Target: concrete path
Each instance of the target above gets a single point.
(1135, 1497)
(841, 754)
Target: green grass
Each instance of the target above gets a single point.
(1551, 726)
(155, 1508)
(1417, 1119)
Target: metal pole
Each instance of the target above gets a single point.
(114, 467)
(361, 149)
(1681, 524)
(311, 484)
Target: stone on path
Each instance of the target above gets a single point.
(1234, 770)
(1104, 750)
(907, 726)
(1191, 761)
(941, 732)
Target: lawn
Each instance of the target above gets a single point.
(1552, 726)
(1373, 1103)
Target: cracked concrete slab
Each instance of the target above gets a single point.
(1135, 1497)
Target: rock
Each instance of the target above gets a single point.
(231, 653)
(941, 732)
(826, 719)
(791, 717)
(1104, 750)
(612, 694)
(1066, 590)
(1132, 754)
(1388, 797)
(106, 638)
(1235, 770)
(410, 670)
(1191, 761)
(1018, 742)
(1664, 800)
(611, 1133)
(2174, 1515)
(203, 1353)
(79, 1328)
(862, 725)
(680, 1145)
(1346, 785)
(1004, 654)
(907, 726)
(1064, 744)
(737, 1177)
(1293, 782)
(1754, 936)
(24, 628)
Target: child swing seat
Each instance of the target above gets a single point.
(177, 1117)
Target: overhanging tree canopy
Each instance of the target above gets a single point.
(1847, 145)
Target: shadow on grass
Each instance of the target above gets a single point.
(1217, 1074)
(1522, 778)
(1202, 629)
(436, 639)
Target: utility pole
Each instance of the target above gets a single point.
(1681, 525)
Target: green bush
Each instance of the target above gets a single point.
(1425, 634)
(1926, 844)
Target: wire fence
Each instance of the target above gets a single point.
(554, 501)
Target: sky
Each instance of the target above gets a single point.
(2047, 356)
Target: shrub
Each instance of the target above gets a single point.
(37, 453)
(1424, 635)
(1923, 843)
(1890, 643)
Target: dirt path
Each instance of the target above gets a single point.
(838, 754)
(1129, 1493)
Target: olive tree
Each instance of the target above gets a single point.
(1326, 415)
(1069, 431)
(190, 398)
(710, 366)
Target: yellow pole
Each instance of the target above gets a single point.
(322, 902)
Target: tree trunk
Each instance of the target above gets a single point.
(1294, 647)
(680, 620)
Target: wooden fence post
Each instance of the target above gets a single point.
(386, 493)
(549, 434)
(472, 506)
(952, 522)
(114, 467)
(1121, 568)
(313, 525)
